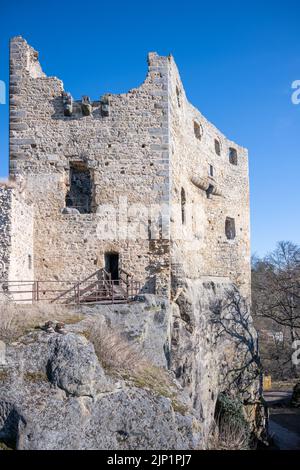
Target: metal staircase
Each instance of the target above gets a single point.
(100, 288)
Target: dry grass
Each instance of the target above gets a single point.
(17, 320)
(126, 360)
(35, 377)
(3, 446)
(113, 351)
(119, 357)
(228, 436)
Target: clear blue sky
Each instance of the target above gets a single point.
(237, 61)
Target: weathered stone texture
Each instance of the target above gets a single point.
(5, 236)
(16, 240)
(204, 250)
(149, 147)
(56, 395)
(146, 145)
(146, 324)
(200, 357)
(126, 153)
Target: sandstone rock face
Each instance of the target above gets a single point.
(152, 149)
(74, 367)
(194, 360)
(146, 323)
(54, 394)
(204, 357)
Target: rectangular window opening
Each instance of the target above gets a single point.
(79, 195)
(230, 228)
(233, 158)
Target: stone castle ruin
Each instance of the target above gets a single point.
(134, 196)
(139, 182)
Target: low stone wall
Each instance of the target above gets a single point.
(5, 231)
(16, 244)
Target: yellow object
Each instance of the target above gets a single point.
(267, 383)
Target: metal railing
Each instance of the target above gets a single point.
(96, 288)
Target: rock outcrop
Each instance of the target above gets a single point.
(54, 394)
(58, 392)
(214, 350)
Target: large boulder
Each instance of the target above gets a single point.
(130, 418)
(54, 394)
(73, 366)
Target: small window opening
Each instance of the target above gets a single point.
(112, 265)
(178, 97)
(217, 147)
(233, 156)
(149, 227)
(197, 130)
(183, 204)
(211, 170)
(79, 195)
(230, 228)
(29, 262)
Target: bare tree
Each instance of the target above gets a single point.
(276, 289)
(232, 318)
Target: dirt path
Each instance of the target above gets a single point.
(284, 424)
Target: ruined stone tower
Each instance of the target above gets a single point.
(147, 154)
(141, 183)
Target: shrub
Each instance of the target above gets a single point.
(231, 429)
(228, 436)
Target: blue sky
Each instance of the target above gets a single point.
(237, 61)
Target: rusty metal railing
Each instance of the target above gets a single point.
(96, 288)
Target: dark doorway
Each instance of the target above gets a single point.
(112, 265)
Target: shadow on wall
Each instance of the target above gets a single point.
(149, 286)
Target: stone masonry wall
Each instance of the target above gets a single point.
(16, 248)
(5, 231)
(22, 253)
(148, 147)
(126, 153)
(200, 244)
(125, 157)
